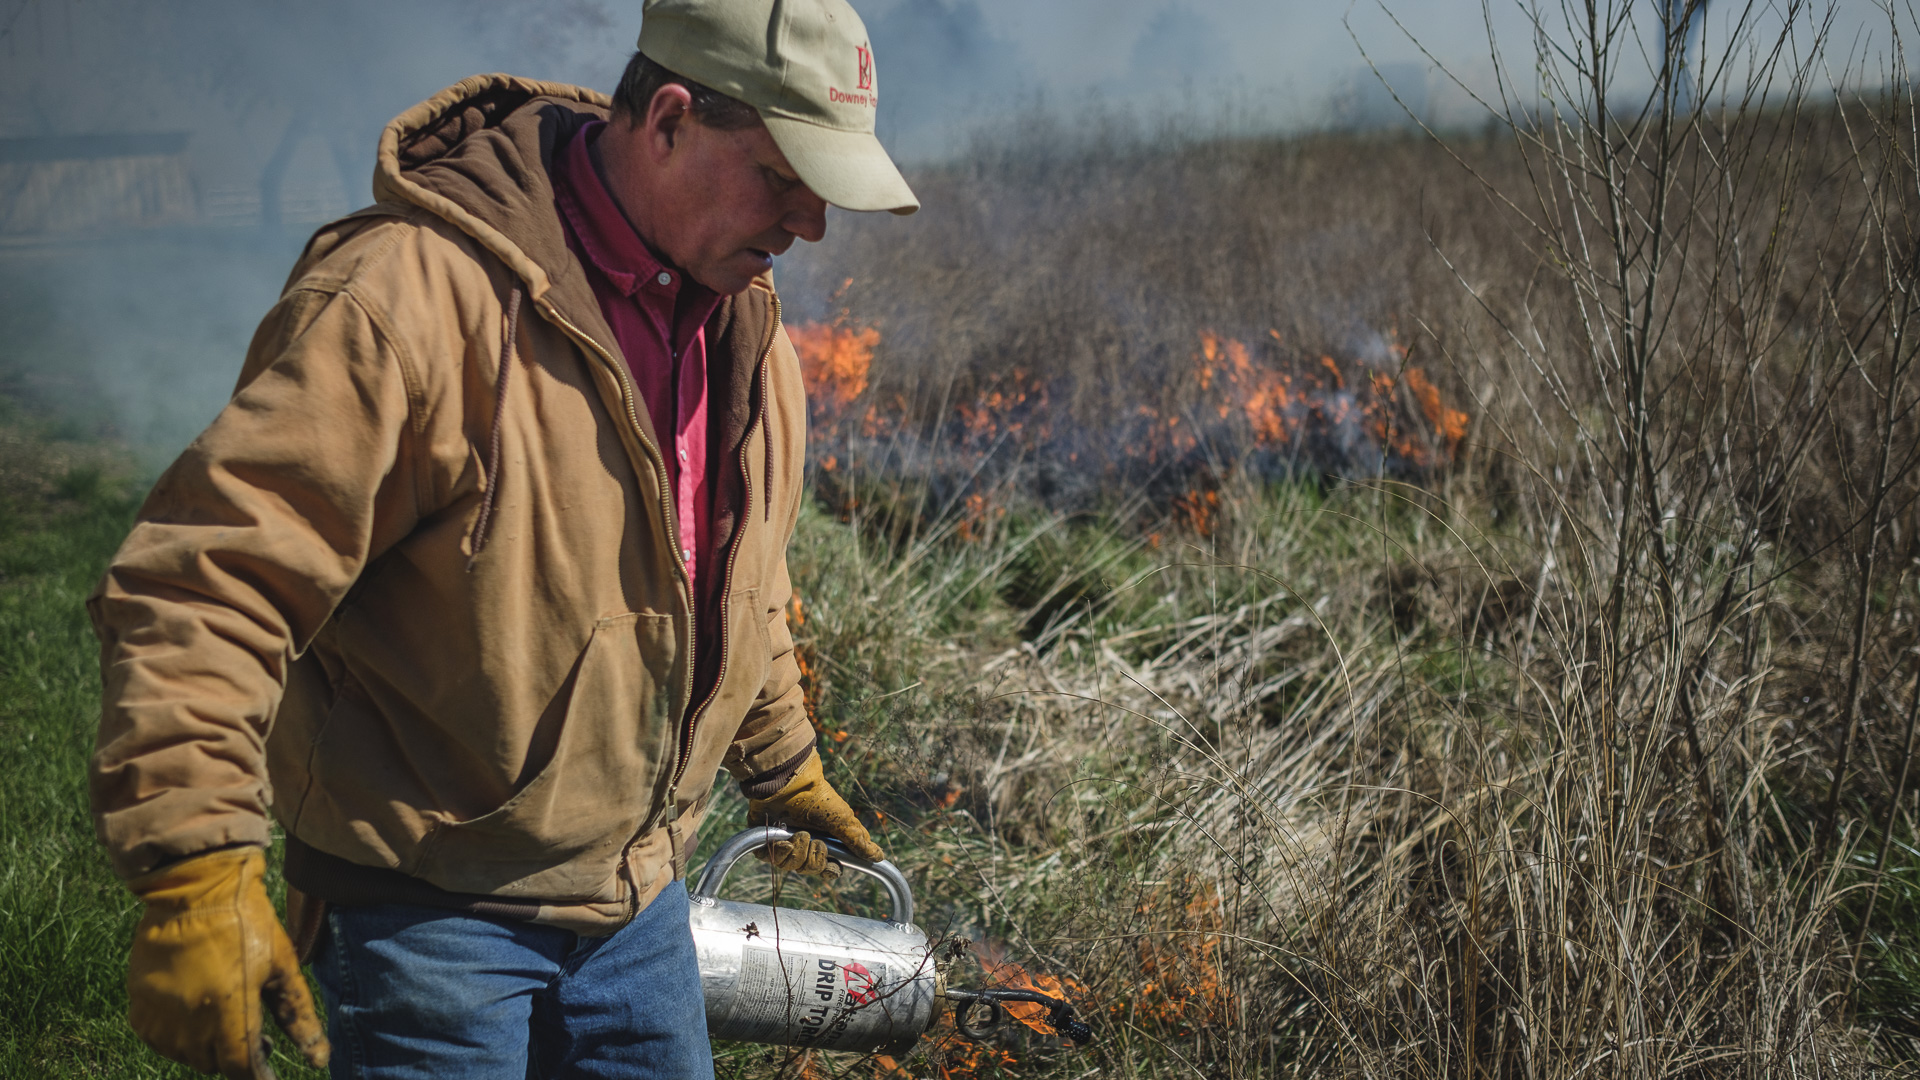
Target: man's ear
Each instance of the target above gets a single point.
(672, 104)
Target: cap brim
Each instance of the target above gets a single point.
(849, 169)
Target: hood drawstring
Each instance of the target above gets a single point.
(766, 418)
(507, 347)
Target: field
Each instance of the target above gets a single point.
(1386, 605)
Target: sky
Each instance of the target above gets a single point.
(236, 72)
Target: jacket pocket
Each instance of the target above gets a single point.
(560, 836)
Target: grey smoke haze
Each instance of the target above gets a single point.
(239, 74)
(281, 103)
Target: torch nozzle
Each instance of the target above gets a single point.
(1059, 1012)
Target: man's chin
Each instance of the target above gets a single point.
(755, 261)
(734, 275)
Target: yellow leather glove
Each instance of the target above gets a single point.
(808, 805)
(206, 955)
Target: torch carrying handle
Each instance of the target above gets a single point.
(744, 843)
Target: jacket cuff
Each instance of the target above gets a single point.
(768, 784)
(151, 849)
(774, 742)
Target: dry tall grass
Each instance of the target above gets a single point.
(1585, 753)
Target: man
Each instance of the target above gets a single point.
(481, 576)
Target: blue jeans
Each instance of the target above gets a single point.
(418, 993)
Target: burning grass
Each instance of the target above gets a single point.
(1261, 412)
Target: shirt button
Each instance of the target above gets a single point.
(665, 278)
(683, 455)
(686, 554)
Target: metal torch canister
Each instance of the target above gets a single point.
(817, 979)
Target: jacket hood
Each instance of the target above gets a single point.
(476, 155)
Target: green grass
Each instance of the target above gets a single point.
(64, 919)
(1889, 990)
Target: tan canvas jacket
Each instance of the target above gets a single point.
(308, 620)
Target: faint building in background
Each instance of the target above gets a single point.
(307, 180)
(65, 185)
(55, 187)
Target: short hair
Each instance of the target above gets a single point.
(644, 78)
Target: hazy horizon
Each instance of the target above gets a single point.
(155, 330)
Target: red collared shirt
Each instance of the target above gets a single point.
(659, 318)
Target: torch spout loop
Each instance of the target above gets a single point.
(1059, 1012)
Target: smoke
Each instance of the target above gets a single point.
(942, 68)
(130, 315)
(1178, 44)
(135, 318)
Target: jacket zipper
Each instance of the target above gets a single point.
(628, 396)
(726, 578)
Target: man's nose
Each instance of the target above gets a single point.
(806, 218)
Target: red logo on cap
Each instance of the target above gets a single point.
(866, 67)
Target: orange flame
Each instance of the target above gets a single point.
(1182, 985)
(1005, 973)
(835, 360)
(1195, 511)
(1266, 397)
(955, 1058)
(976, 518)
(1449, 424)
(1263, 395)
(1242, 396)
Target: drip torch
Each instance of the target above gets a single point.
(792, 977)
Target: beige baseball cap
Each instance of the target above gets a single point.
(807, 67)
